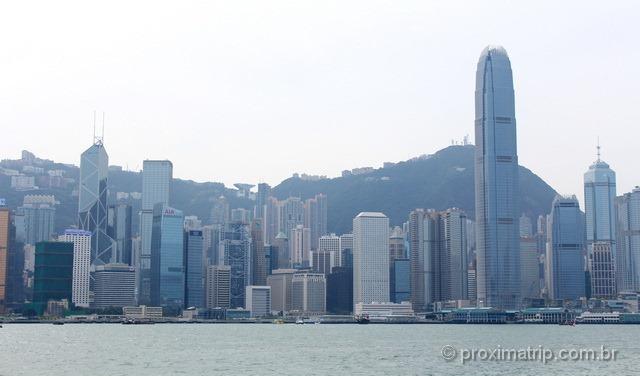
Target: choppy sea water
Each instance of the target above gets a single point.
(263, 349)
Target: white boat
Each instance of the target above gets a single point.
(299, 321)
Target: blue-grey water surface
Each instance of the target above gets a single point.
(255, 349)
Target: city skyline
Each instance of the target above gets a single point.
(419, 92)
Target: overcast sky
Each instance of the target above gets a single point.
(248, 91)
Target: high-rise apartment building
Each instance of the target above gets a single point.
(300, 246)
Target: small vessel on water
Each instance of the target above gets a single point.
(58, 323)
(362, 319)
(278, 321)
(299, 321)
(567, 323)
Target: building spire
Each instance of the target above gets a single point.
(598, 149)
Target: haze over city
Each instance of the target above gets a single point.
(281, 87)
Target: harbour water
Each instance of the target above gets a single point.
(254, 349)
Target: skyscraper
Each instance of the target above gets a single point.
(53, 273)
(370, 258)
(496, 182)
(119, 229)
(280, 283)
(259, 260)
(167, 257)
(566, 246)
(599, 209)
(309, 293)
(300, 246)
(156, 189)
(331, 243)
(628, 240)
(194, 281)
(5, 222)
(264, 191)
(258, 300)
(417, 257)
(235, 251)
(92, 202)
(35, 219)
(81, 265)
(315, 218)
(114, 286)
(217, 288)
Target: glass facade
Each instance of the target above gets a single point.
(194, 281)
(53, 273)
(235, 251)
(167, 261)
(566, 270)
(92, 202)
(599, 208)
(628, 240)
(496, 182)
(156, 187)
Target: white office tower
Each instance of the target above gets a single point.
(331, 244)
(258, 300)
(370, 258)
(156, 188)
(80, 284)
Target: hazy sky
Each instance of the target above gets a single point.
(248, 91)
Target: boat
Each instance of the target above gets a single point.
(299, 321)
(58, 323)
(278, 321)
(567, 323)
(362, 319)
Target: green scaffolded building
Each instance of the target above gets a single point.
(53, 273)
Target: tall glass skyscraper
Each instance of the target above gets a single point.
(156, 188)
(496, 182)
(599, 207)
(167, 257)
(92, 202)
(194, 280)
(565, 256)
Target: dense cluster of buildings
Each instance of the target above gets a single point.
(278, 257)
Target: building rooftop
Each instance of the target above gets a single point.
(371, 215)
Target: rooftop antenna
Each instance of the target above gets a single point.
(102, 138)
(598, 148)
